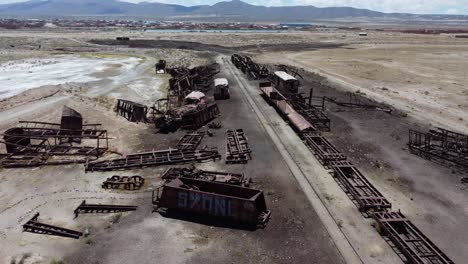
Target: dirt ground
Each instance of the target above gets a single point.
(422, 77)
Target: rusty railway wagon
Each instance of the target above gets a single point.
(237, 204)
(199, 118)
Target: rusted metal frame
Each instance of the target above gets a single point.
(322, 148)
(190, 141)
(237, 147)
(85, 208)
(132, 111)
(411, 242)
(155, 158)
(129, 183)
(34, 226)
(359, 187)
(48, 125)
(216, 176)
(213, 199)
(55, 145)
(450, 140)
(316, 117)
(430, 147)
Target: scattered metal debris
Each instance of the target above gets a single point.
(230, 202)
(409, 240)
(154, 158)
(34, 226)
(216, 176)
(85, 208)
(127, 182)
(237, 147)
(440, 145)
(133, 112)
(185, 80)
(190, 140)
(356, 102)
(214, 125)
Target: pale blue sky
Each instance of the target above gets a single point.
(408, 6)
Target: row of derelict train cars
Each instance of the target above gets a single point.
(220, 195)
(309, 121)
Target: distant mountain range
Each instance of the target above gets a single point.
(234, 10)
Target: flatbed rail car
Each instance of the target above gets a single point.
(237, 204)
(322, 148)
(359, 188)
(154, 158)
(409, 240)
(215, 176)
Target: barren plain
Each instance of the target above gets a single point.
(422, 77)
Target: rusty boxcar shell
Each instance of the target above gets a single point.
(71, 119)
(239, 204)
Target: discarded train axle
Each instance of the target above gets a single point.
(237, 147)
(125, 182)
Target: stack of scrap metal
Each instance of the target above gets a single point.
(185, 80)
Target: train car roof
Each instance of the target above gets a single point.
(284, 76)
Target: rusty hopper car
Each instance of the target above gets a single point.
(228, 202)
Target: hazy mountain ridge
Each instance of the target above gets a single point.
(235, 8)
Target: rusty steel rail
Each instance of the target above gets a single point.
(85, 208)
(190, 141)
(322, 148)
(409, 240)
(440, 145)
(34, 226)
(127, 182)
(228, 202)
(237, 147)
(215, 176)
(154, 158)
(360, 189)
